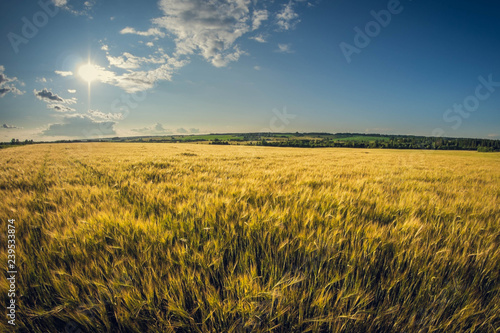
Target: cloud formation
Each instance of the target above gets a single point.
(284, 48)
(209, 28)
(60, 3)
(64, 73)
(156, 129)
(81, 126)
(60, 108)
(148, 33)
(82, 10)
(8, 85)
(99, 116)
(140, 80)
(49, 97)
(287, 18)
(5, 126)
(259, 38)
(129, 61)
(54, 101)
(46, 95)
(258, 17)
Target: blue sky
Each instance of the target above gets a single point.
(85, 69)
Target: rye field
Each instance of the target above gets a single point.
(130, 237)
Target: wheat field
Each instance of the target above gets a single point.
(197, 238)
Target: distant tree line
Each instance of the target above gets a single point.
(483, 145)
(316, 140)
(17, 142)
(219, 142)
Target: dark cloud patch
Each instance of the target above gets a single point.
(54, 101)
(60, 108)
(8, 85)
(182, 130)
(5, 126)
(81, 126)
(48, 96)
(4, 91)
(194, 130)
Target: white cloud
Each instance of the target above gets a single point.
(257, 68)
(287, 18)
(149, 32)
(258, 17)
(284, 48)
(60, 3)
(136, 81)
(139, 81)
(72, 91)
(259, 38)
(129, 61)
(209, 28)
(64, 73)
(123, 61)
(84, 9)
(98, 115)
(8, 84)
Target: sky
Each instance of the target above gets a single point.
(72, 69)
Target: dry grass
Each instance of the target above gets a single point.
(196, 238)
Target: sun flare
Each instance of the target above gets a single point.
(88, 72)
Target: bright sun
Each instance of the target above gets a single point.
(88, 72)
